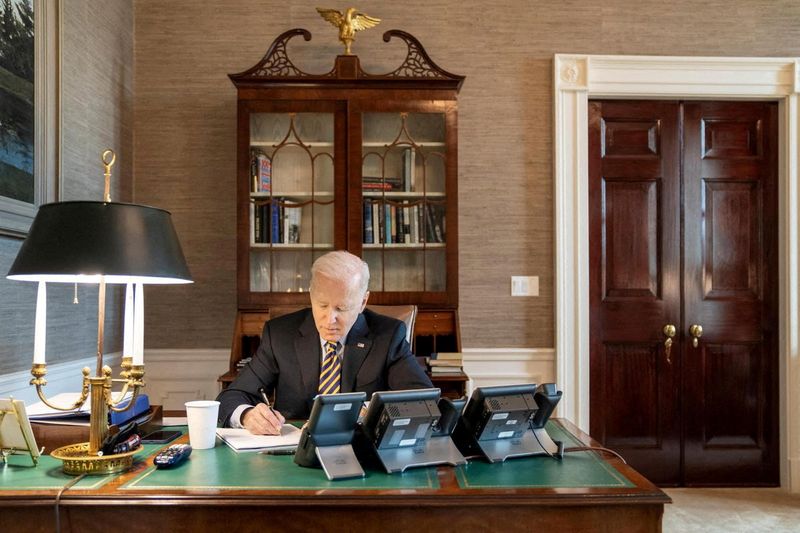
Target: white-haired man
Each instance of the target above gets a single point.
(336, 346)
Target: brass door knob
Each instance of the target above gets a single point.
(696, 331)
(669, 331)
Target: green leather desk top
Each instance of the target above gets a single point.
(221, 468)
(577, 469)
(20, 474)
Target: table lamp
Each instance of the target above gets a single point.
(99, 242)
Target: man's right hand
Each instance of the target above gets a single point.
(261, 420)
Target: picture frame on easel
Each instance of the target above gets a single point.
(16, 434)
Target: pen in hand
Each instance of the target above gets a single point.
(266, 400)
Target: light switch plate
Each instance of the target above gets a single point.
(524, 285)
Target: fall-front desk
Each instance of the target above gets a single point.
(220, 490)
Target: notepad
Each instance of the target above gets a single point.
(241, 440)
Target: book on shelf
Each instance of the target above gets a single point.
(405, 223)
(277, 221)
(292, 215)
(445, 363)
(376, 223)
(264, 173)
(434, 222)
(368, 234)
(253, 223)
(387, 223)
(414, 223)
(260, 171)
(409, 169)
(446, 370)
(447, 356)
(392, 224)
(377, 186)
(385, 183)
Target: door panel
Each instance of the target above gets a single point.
(730, 289)
(630, 228)
(634, 291)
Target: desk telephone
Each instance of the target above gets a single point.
(404, 429)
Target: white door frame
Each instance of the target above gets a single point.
(580, 77)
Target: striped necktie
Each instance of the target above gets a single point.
(331, 375)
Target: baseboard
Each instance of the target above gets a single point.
(793, 483)
(508, 366)
(61, 377)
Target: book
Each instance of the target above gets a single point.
(414, 224)
(409, 169)
(275, 221)
(382, 182)
(44, 414)
(292, 214)
(387, 223)
(376, 186)
(264, 173)
(434, 225)
(241, 440)
(252, 223)
(445, 363)
(256, 218)
(446, 370)
(140, 406)
(448, 356)
(392, 222)
(368, 234)
(376, 223)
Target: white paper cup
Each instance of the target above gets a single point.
(201, 415)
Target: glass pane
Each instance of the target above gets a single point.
(435, 270)
(259, 271)
(404, 200)
(292, 200)
(291, 270)
(374, 260)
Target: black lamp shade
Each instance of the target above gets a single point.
(81, 241)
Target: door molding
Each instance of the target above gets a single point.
(580, 77)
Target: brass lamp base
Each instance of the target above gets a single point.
(77, 460)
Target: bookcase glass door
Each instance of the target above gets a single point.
(404, 201)
(291, 197)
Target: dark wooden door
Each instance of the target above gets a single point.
(730, 388)
(634, 220)
(683, 232)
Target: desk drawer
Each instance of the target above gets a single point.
(435, 323)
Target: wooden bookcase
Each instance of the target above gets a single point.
(348, 160)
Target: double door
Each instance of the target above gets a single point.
(683, 222)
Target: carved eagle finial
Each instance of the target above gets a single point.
(348, 24)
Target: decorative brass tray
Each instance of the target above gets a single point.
(77, 460)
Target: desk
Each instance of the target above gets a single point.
(433, 499)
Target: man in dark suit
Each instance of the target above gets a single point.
(336, 346)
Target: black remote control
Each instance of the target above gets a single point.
(172, 456)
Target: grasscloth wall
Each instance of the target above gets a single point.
(97, 113)
(185, 113)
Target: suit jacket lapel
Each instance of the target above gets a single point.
(355, 351)
(307, 351)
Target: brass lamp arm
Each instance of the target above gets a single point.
(112, 405)
(39, 371)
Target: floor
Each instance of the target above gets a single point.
(730, 510)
